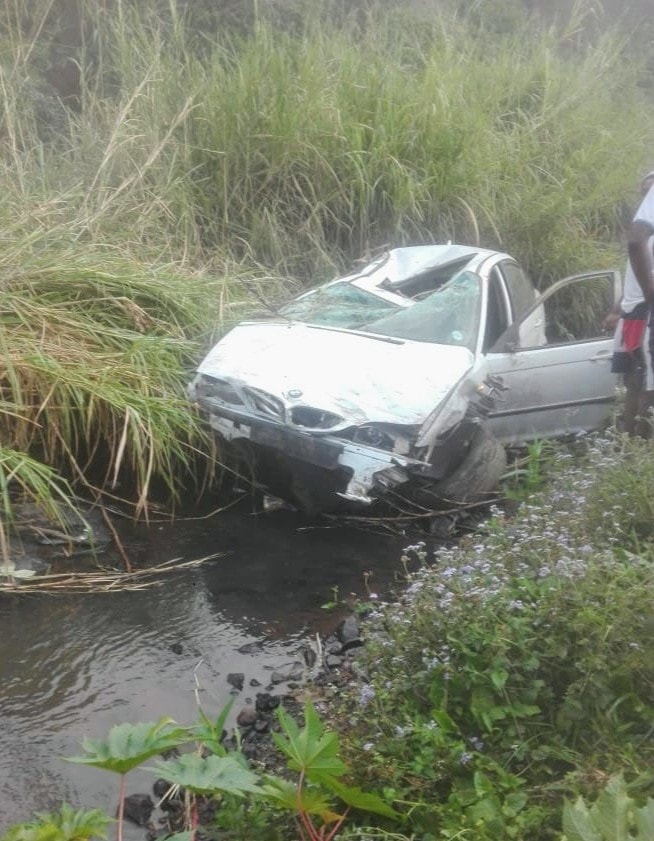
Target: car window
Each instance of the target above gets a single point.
(497, 317)
(575, 312)
(572, 313)
(449, 316)
(337, 305)
(520, 288)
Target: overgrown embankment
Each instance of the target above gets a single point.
(516, 669)
(191, 162)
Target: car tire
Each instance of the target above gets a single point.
(478, 475)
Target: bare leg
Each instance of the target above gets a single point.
(643, 426)
(632, 383)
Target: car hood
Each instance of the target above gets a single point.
(360, 377)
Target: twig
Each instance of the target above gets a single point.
(117, 540)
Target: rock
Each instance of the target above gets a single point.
(236, 679)
(277, 677)
(348, 633)
(262, 725)
(177, 648)
(138, 808)
(266, 703)
(254, 682)
(309, 656)
(247, 717)
(296, 673)
(332, 661)
(251, 648)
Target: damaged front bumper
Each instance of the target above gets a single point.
(369, 469)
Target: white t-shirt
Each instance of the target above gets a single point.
(632, 294)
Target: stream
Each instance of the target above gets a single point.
(73, 666)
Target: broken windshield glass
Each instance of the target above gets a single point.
(449, 316)
(337, 305)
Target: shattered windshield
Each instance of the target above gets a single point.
(338, 305)
(449, 316)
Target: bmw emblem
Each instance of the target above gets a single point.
(294, 393)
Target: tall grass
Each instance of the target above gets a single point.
(198, 161)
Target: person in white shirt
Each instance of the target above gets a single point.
(632, 354)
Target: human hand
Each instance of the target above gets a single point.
(611, 320)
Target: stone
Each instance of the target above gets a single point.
(138, 809)
(236, 679)
(246, 717)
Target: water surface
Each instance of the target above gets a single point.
(73, 666)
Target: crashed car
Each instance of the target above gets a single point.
(409, 377)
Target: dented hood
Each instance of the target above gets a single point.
(361, 377)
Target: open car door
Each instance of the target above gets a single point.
(556, 362)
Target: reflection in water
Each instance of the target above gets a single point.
(72, 667)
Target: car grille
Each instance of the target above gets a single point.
(307, 416)
(265, 404)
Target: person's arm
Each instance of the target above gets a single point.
(640, 255)
(613, 316)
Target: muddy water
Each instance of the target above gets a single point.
(72, 667)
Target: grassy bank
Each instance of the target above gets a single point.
(190, 163)
(516, 669)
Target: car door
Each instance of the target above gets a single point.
(555, 362)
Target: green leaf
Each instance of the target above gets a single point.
(513, 803)
(129, 745)
(309, 750)
(207, 775)
(210, 733)
(645, 820)
(312, 801)
(67, 825)
(610, 812)
(358, 799)
(499, 677)
(483, 786)
(444, 721)
(577, 823)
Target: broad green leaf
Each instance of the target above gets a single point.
(312, 801)
(610, 812)
(309, 750)
(444, 721)
(577, 824)
(487, 811)
(128, 745)
(358, 799)
(483, 786)
(645, 820)
(206, 775)
(513, 803)
(499, 677)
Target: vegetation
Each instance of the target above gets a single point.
(516, 668)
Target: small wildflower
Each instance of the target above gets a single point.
(366, 695)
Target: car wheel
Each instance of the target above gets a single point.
(479, 473)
